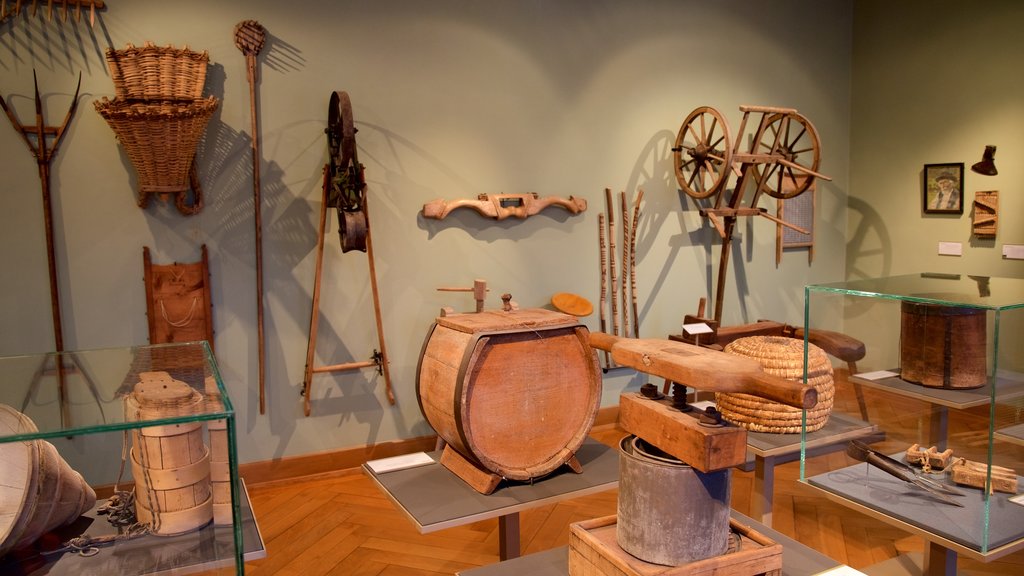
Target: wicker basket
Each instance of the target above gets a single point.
(159, 115)
(783, 357)
(160, 139)
(157, 72)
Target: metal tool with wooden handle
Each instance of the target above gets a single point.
(703, 368)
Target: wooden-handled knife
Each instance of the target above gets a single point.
(703, 368)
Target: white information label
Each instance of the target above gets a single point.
(951, 249)
(697, 328)
(400, 462)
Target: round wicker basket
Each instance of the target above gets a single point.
(783, 357)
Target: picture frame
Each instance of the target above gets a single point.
(943, 187)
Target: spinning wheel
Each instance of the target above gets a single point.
(344, 188)
(346, 180)
(782, 161)
(702, 154)
(792, 141)
(783, 157)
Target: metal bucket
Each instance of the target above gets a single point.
(668, 512)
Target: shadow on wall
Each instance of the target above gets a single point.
(654, 174)
(868, 249)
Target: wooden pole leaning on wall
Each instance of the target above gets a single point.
(249, 38)
(43, 142)
(619, 282)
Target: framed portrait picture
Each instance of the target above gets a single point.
(943, 188)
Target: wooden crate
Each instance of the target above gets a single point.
(593, 551)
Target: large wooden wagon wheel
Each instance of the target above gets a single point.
(703, 153)
(793, 143)
(346, 179)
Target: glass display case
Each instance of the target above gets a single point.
(943, 378)
(79, 403)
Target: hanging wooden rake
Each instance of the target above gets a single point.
(43, 142)
(249, 38)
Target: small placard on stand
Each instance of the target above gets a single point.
(696, 329)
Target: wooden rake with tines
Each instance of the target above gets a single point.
(249, 38)
(64, 5)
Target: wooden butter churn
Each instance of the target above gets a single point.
(513, 393)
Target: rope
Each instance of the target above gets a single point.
(184, 321)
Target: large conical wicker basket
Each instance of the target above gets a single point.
(159, 116)
(783, 357)
(38, 490)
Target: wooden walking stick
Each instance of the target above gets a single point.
(611, 261)
(604, 277)
(249, 37)
(36, 138)
(625, 262)
(632, 260)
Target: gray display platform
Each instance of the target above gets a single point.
(433, 498)
(205, 549)
(1006, 388)
(912, 507)
(769, 450)
(1013, 434)
(797, 559)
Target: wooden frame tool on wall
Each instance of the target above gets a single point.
(178, 303)
(798, 211)
(985, 218)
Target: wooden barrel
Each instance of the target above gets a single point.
(514, 392)
(171, 463)
(38, 490)
(668, 512)
(943, 346)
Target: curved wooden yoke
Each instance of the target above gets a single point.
(501, 206)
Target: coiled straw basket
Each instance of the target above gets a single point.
(783, 357)
(158, 115)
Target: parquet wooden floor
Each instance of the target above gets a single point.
(343, 525)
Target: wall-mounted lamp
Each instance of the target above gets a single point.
(987, 166)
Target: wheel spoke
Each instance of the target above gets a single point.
(792, 176)
(803, 130)
(703, 132)
(696, 136)
(717, 142)
(693, 176)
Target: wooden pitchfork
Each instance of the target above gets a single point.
(42, 142)
(249, 37)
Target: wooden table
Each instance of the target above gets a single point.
(771, 449)
(433, 498)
